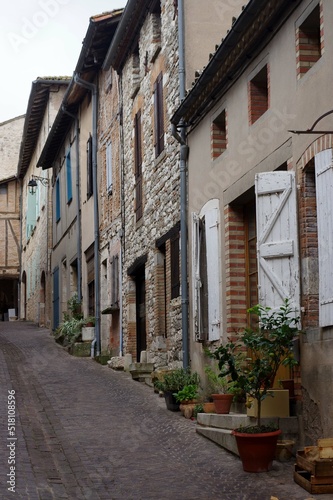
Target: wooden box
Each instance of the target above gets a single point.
(319, 468)
(311, 483)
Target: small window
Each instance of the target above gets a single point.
(219, 135)
(158, 115)
(259, 95)
(57, 200)
(3, 189)
(69, 177)
(109, 168)
(308, 42)
(89, 168)
(138, 165)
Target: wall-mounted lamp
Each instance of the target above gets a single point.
(32, 184)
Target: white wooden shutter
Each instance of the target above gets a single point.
(196, 283)
(212, 223)
(324, 194)
(277, 239)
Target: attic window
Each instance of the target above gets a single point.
(258, 90)
(219, 135)
(309, 44)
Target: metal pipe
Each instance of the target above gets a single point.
(93, 89)
(183, 187)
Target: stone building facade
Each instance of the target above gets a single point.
(260, 190)
(36, 204)
(147, 65)
(111, 226)
(10, 135)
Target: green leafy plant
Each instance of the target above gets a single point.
(267, 347)
(198, 409)
(176, 380)
(188, 393)
(216, 384)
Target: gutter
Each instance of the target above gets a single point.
(96, 343)
(181, 138)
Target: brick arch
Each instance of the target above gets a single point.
(320, 144)
(308, 231)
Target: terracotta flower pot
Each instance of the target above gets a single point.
(257, 451)
(209, 408)
(222, 402)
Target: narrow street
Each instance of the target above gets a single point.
(86, 432)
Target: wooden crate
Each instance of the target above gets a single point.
(318, 468)
(311, 483)
(325, 447)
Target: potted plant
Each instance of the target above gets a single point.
(267, 347)
(173, 382)
(187, 399)
(218, 387)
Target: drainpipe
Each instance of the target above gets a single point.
(96, 343)
(78, 205)
(183, 186)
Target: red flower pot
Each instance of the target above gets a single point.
(257, 451)
(222, 402)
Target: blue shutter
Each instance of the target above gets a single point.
(69, 177)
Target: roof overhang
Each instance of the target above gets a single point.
(250, 33)
(127, 34)
(37, 103)
(94, 47)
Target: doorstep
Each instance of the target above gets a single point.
(218, 428)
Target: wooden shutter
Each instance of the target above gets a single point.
(115, 282)
(196, 282)
(31, 213)
(277, 240)
(158, 115)
(69, 177)
(174, 257)
(89, 168)
(206, 276)
(324, 193)
(212, 222)
(109, 167)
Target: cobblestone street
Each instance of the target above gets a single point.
(86, 432)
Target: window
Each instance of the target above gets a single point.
(57, 200)
(207, 313)
(158, 115)
(109, 168)
(138, 165)
(3, 189)
(89, 168)
(219, 135)
(91, 298)
(308, 42)
(258, 95)
(115, 282)
(69, 177)
(174, 255)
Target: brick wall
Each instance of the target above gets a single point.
(235, 269)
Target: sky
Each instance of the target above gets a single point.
(41, 38)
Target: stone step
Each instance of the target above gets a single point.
(222, 437)
(218, 428)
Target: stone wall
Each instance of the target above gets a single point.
(158, 52)
(10, 140)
